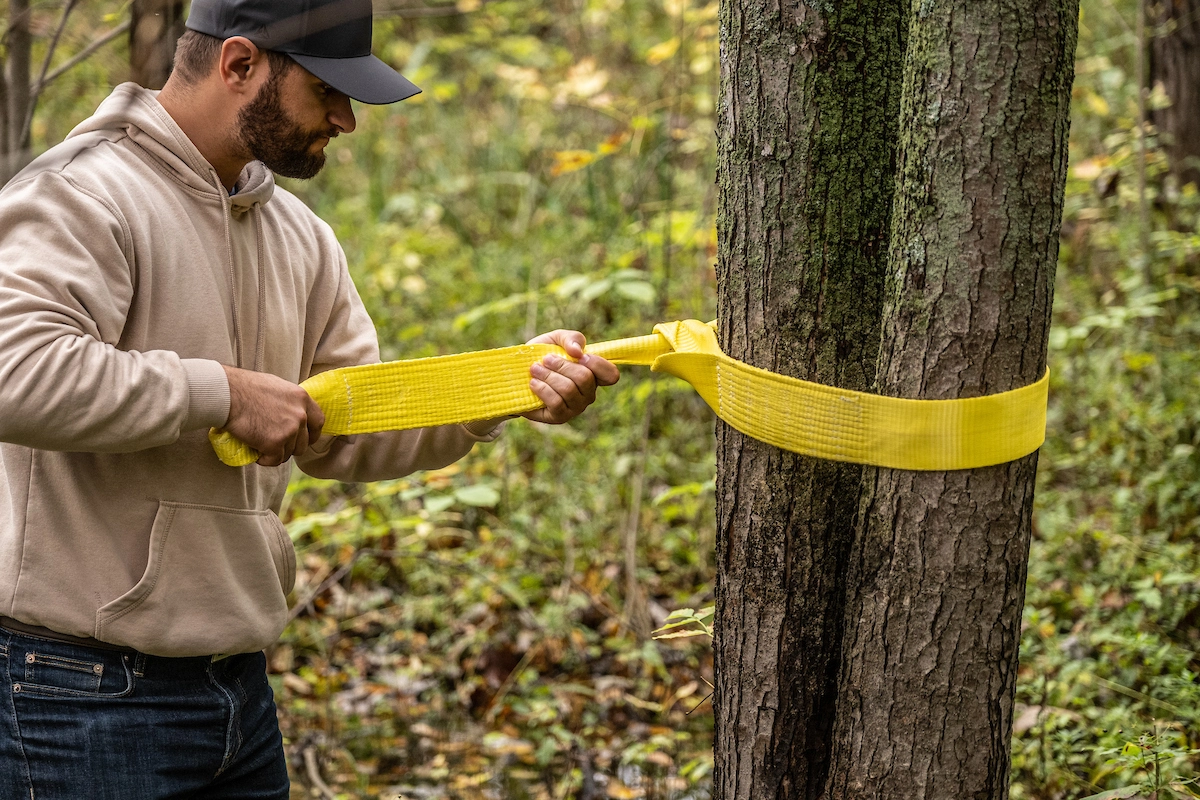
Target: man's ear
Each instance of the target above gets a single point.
(241, 65)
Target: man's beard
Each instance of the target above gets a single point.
(274, 138)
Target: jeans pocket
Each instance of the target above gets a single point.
(44, 668)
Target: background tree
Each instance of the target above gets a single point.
(916, 699)
(155, 27)
(1175, 63)
(29, 29)
(807, 134)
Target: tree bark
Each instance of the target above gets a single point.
(156, 27)
(806, 158)
(1175, 62)
(937, 578)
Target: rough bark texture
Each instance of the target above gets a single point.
(1175, 62)
(937, 577)
(807, 132)
(156, 27)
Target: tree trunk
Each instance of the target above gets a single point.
(937, 578)
(156, 27)
(806, 137)
(17, 76)
(1175, 62)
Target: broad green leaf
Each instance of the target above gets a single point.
(639, 291)
(1116, 794)
(480, 496)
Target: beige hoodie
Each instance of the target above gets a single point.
(127, 277)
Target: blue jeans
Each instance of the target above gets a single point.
(81, 723)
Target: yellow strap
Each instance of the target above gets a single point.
(792, 414)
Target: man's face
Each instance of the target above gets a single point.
(290, 121)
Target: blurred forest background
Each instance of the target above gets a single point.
(485, 631)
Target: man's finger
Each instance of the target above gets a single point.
(605, 371)
(300, 442)
(563, 387)
(316, 420)
(579, 375)
(573, 342)
(556, 409)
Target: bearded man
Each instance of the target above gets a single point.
(154, 283)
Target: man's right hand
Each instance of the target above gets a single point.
(275, 417)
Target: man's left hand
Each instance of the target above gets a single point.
(567, 387)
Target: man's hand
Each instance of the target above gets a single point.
(567, 387)
(275, 417)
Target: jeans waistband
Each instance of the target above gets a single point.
(142, 664)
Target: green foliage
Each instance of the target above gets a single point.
(686, 622)
(557, 172)
(1107, 692)
(462, 633)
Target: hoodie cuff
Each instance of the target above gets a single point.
(208, 394)
(486, 430)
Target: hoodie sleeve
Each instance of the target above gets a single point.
(66, 284)
(348, 338)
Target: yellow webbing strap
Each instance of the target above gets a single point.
(792, 414)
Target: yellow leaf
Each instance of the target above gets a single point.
(662, 51)
(570, 160)
(1097, 104)
(613, 143)
(619, 791)
(1088, 169)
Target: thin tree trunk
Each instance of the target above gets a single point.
(938, 570)
(806, 157)
(17, 76)
(156, 27)
(4, 146)
(1175, 63)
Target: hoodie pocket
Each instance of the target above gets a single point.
(216, 581)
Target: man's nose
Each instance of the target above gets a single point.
(341, 116)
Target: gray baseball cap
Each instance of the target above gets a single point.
(329, 38)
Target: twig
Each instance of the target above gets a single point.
(35, 91)
(314, 774)
(702, 700)
(323, 586)
(509, 680)
(84, 54)
(1136, 695)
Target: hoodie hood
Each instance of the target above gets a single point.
(136, 112)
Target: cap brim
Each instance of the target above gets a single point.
(365, 78)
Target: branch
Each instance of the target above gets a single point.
(314, 774)
(35, 91)
(83, 55)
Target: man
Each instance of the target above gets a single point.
(154, 282)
